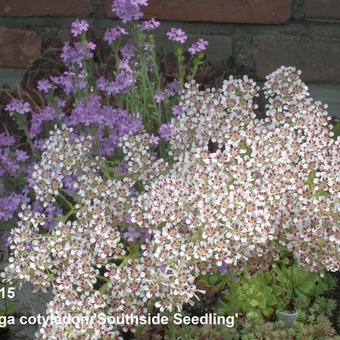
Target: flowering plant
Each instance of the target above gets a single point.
(121, 223)
(131, 95)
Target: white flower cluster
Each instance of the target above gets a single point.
(87, 309)
(146, 279)
(212, 114)
(87, 239)
(28, 259)
(210, 210)
(142, 163)
(268, 182)
(69, 257)
(63, 156)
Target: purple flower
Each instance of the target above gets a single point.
(71, 82)
(77, 53)
(122, 83)
(101, 83)
(47, 114)
(154, 140)
(65, 81)
(149, 25)
(68, 182)
(177, 35)
(132, 234)
(92, 46)
(163, 268)
(87, 112)
(133, 193)
(61, 103)
(127, 219)
(158, 97)
(172, 89)
(166, 131)
(18, 106)
(37, 207)
(79, 27)
(145, 234)
(7, 164)
(10, 204)
(21, 155)
(198, 46)
(112, 125)
(113, 34)
(53, 213)
(128, 10)
(128, 52)
(122, 168)
(6, 140)
(39, 144)
(177, 110)
(224, 268)
(110, 141)
(44, 86)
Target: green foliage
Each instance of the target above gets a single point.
(315, 328)
(285, 287)
(313, 324)
(299, 286)
(217, 281)
(323, 306)
(255, 296)
(336, 129)
(310, 179)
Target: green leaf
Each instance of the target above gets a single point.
(285, 260)
(254, 315)
(277, 291)
(262, 304)
(310, 179)
(302, 301)
(336, 130)
(268, 312)
(271, 300)
(322, 192)
(253, 302)
(21, 122)
(104, 287)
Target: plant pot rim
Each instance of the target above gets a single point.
(287, 312)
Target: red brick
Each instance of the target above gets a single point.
(230, 11)
(45, 7)
(323, 10)
(18, 48)
(317, 58)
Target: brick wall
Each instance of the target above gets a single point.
(259, 35)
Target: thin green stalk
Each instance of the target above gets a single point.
(180, 61)
(67, 202)
(102, 278)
